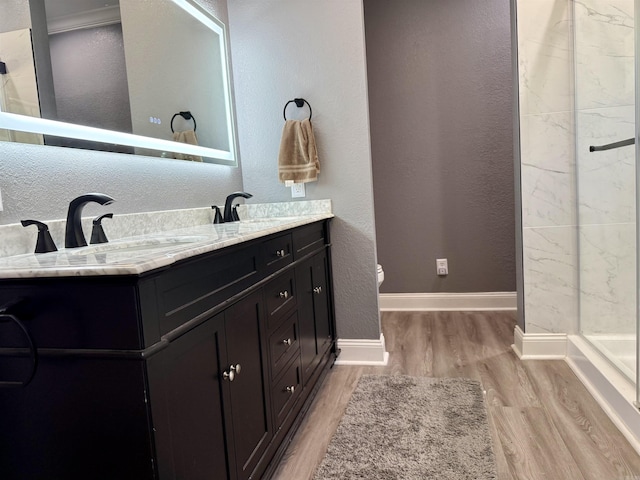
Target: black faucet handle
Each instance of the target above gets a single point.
(234, 213)
(44, 243)
(217, 216)
(97, 232)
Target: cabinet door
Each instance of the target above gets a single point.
(313, 311)
(250, 405)
(186, 401)
(320, 275)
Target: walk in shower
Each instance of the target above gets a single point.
(605, 119)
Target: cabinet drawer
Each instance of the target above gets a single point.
(277, 253)
(189, 290)
(286, 391)
(280, 298)
(308, 239)
(283, 343)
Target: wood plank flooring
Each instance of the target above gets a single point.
(544, 423)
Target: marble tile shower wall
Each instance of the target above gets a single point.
(605, 113)
(545, 59)
(571, 197)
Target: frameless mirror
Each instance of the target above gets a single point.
(120, 82)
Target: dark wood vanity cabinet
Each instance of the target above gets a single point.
(212, 365)
(210, 399)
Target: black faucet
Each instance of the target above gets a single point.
(228, 213)
(74, 236)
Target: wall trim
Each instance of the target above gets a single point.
(362, 352)
(474, 301)
(539, 346)
(98, 17)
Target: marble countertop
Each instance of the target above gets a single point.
(136, 255)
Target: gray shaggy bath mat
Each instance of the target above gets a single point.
(406, 428)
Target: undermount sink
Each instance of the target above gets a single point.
(268, 219)
(140, 245)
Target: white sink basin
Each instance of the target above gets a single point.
(141, 245)
(268, 220)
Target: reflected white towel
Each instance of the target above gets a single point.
(188, 136)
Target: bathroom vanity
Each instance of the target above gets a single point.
(193, 359)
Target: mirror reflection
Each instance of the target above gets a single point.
(108, 67)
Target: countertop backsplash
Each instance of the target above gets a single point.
(17, 240)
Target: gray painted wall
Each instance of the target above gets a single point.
(40, 36)
(441, 106)
(90, 77)
(38, 181)
(15, 15)
(284, 49)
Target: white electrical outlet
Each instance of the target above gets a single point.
(297, 190)
(442, 266)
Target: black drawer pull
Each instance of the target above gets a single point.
(33, 353)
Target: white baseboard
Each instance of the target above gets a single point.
(362, 352)
(539, 346)
(429, 302)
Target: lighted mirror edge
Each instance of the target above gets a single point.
(194, 9)
(14, 121)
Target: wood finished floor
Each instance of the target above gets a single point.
(544, 423)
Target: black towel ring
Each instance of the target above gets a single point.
(299, 103)
(187, 116)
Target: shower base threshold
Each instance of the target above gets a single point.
(619, 349)
(612, 389)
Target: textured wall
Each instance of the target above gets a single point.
(38, 182)
(90, 77)
(304, 48)
(441, 106)
(15, 15)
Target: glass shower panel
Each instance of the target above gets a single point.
(606, 193)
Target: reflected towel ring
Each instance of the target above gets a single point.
(187, 116)
(299, 103)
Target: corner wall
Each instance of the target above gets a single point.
(284, 49)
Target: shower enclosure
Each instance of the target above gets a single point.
(605, 114)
